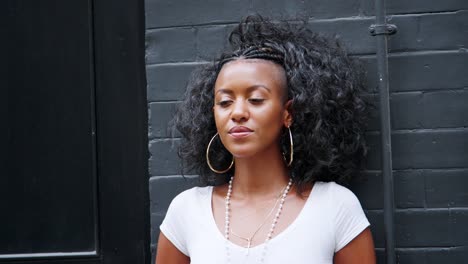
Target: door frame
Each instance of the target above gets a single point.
(122, 131)
(118, 47)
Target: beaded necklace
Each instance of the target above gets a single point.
(272, 227)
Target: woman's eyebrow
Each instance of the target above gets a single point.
(257, 86)
(224, 90)
(249, 89)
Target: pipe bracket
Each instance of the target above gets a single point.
(382, 29)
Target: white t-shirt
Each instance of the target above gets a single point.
(332, 216)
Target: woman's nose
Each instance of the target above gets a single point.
(240, 112)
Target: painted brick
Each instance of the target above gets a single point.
(153, 252)
(421, 71)
(445, 109)
(170, 45)
(418, 32)
(447, 188)
(458, 224)
(282, 9)
(156, 221)
(417, 228)
(371, 77)
(167, 13)
(160, 116)
(351, 31)
(416, 189)
(415, 32)
(180, 44)
(431, 149)
(431, 228)
(401, 116)
(406, 110)
(423, 149)
(428, 71)
(423, 228)
(380, 255)
(432, 255)
(375, 218)
(417, 110)
(211, 41)
(294, 9)
(167, 82)
(409, 190)
(373, 159)
(368, 188)
(415, 6)
(164, 188)
(423, 32)
(163, 157)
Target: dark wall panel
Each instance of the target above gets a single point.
(48, 181)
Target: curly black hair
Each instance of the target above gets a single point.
(329, 104)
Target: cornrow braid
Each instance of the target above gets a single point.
(254, 52)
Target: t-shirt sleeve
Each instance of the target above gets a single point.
(174, 226)
(349, 220)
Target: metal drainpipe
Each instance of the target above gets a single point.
(381, 30)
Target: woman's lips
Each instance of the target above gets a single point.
(240, 131)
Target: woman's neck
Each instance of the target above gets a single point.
(259, 176)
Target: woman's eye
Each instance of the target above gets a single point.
(256, 100)
(224, 103)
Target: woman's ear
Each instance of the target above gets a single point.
(287, 116)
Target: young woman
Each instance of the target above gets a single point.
(272, 127)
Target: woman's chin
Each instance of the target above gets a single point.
(248, 151)
(243, 153)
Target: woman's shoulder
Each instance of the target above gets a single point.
(191, 196)
(331, 187)
(336, 192)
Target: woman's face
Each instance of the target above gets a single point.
(250, 109)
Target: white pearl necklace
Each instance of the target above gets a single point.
(272, 227)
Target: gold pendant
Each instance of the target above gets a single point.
(249, 243)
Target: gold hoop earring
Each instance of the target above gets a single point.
(291, 148)
(208, 159)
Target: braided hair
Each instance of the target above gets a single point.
(325, 85)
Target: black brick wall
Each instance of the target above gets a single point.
(428, 67)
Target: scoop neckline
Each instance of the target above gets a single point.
(283, 233)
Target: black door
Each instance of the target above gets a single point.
(73, 157)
